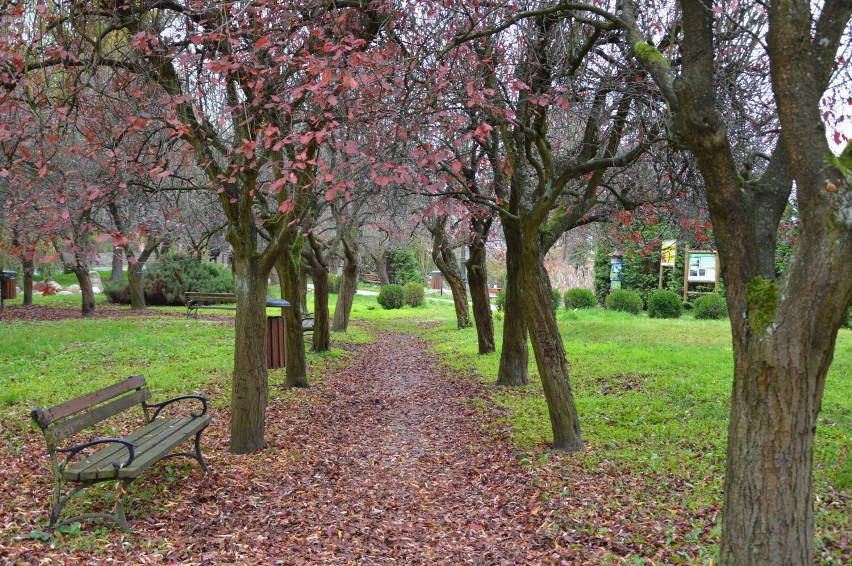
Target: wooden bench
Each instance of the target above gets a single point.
(371, 278)
(195, 301)
(307, 322)
(114, 459)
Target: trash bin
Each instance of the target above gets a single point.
(437, 280)
(276, 342)
(8, 286)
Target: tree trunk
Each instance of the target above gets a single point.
(29, 271)
(250, 383)
(457, 287)
(514, 355)
(477, 279)
(117, 265)
(548, 349)
(289, 274)
(445, 260)
(346, 296)
(135, 286)
(87, 295)
(321, 339)
(381, 267)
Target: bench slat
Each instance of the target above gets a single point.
(46, 417)
(83, 421)
(103, 457)
(152, 443)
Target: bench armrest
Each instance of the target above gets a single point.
(160, 406)
(74, 450)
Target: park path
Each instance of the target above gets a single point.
(403, 472)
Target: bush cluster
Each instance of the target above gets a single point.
(414, 294)
(169, 277)
(579, 298)
(712, 307)
(624, 300)
(664, 304)
(391, 297)
(557, 298)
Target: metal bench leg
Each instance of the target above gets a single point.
(119, 515)
(198, 455)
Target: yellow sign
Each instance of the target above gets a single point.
(669, 254)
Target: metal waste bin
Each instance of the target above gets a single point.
(8, 287)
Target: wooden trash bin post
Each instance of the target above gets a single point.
(276, 336)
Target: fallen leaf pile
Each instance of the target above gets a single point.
(388, 459)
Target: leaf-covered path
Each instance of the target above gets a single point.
(386, 459)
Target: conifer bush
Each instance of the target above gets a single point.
(391, 297)
(578, 298)
(710, 307)
(625, 301)
(413, 293)
(664, 304)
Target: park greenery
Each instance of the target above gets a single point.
(653, 394)
(319, 139)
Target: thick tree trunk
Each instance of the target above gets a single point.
(549, 351)
(135, 286)
(289, 274)
(514, 355)
(249, 388)
(117, 265)
(459, 291)
(477, 279)
(321, 339)
(346, 296)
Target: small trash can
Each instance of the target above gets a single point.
(437, 280)
(276, 342)
(8, 287)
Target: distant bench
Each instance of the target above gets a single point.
(118, 459)
(227, 301)
(371, 278)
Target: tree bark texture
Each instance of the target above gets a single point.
(250, 382)
(477, 280)
(289, 274)
(445, 261)
(117, 265)
(321, 338)
(348, 285)
(27, 286)
(514, 354)
(548, 350)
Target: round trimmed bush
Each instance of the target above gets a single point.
(710, 307)
(557, 298)
(625, 301)
(579, 298)
(391, 297)
(664, 304)
(413, 293)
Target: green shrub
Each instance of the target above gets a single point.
(664, 304)
(414, 294)
(168, 278)
(624, 300)
(391, 297)
(848, 322)
(117, 292)
(711, 307)
(404, 266)
(578, 298)
(557, 298)
(500, 300)
(334, 283)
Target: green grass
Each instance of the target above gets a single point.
(652, 394)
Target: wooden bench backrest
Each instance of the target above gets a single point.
(68, 418)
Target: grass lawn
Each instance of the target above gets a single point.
(653, 396)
